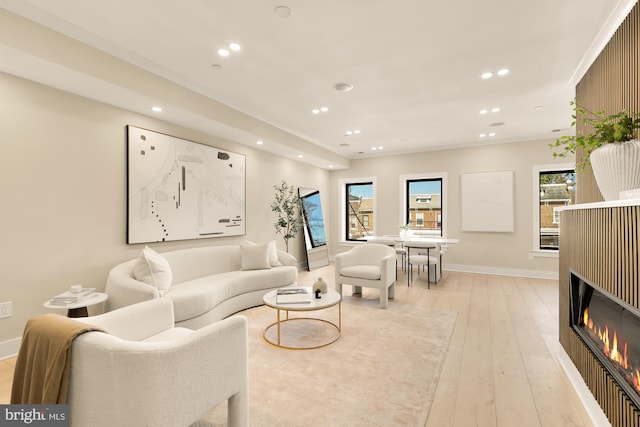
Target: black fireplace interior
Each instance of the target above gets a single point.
(611, 329)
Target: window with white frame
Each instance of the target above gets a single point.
(554, 186)
(358, 206)
(424, 203)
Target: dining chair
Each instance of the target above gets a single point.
(422, 257)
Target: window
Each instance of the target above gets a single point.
(358, 207)
(554, 188)
(556, 216)
(424, 203)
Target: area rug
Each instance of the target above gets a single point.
(382, 371)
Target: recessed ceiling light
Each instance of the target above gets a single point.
(484, 111)
(373, 148)
(380, 147)
(495, 109)
(503, 72)
(324, 109)
(482, 135)
(223, 52)
(282, 11)
(315, 111)
(330, 166)
(492, 134)
(356, 131)
(348, 133)
(300, 156)
(234, 46)
(487, 75)
(157, 109)
(343, 87)
(259, 142)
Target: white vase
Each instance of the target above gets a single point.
(616, 167)
(320, 285)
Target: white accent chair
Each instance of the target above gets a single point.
(371, 266)
(145, 371)
(390, 243)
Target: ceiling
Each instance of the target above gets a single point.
(415, 66)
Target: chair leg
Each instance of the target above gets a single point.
(384, 298)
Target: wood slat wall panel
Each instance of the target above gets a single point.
(601, 245)
(611, 84)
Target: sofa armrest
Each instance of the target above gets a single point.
(136, 322)
(287, 259)
(124, 290)
(118, 382)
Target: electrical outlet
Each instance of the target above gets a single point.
(6, 309)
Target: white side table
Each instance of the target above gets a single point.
(79, 309)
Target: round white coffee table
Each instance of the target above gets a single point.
(330, 299)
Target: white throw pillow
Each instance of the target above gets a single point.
(274, 261)
(273, 254)
(255, 257)
(153, 269)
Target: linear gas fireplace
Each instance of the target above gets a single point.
(611, 329)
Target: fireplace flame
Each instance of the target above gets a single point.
(610, 348)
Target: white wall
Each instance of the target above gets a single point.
(63, 186)
(499, 253)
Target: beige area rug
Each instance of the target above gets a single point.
(383, 371)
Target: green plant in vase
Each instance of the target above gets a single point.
(617, 128)
(286, 205)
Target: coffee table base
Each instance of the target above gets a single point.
(279, 322)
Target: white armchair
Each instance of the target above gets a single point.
(371, 266)
(146, 372)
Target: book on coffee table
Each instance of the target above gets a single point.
(72, 296)
(294, 295)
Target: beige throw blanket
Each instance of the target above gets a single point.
(44, 361)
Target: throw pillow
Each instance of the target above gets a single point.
(273, 254)
(274, 261)
(153, 269)
(255, 257)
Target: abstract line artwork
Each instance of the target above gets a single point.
(179, 189)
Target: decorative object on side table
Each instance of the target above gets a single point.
(611, 149)
(286, 205)
(319, 287)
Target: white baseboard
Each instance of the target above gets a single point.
(598, 418)
(499, 271)
(9, 348)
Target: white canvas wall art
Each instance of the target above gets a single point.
(179, 189)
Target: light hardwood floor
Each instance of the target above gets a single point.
(501, 367)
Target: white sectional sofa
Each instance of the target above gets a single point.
(205, 284)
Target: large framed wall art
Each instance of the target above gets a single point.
(179, 189)
(487, 201)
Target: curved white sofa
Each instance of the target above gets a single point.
(208, 283)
